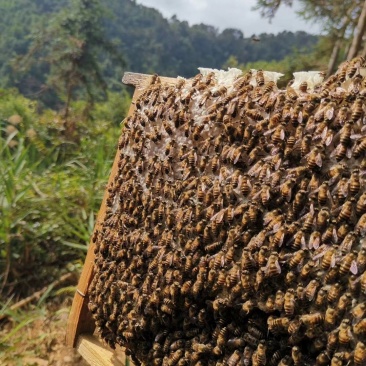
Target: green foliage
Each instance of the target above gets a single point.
(50, 191)
(70, 46)
(61, 30)
(114, 109)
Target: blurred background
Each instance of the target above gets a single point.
(61, 107)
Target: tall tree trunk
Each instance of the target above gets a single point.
(358, 34)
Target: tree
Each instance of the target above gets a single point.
(72, 45)
(343, 22)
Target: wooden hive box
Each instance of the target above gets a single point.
(81, 327)
(233, 227)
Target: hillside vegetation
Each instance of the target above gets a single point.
(147, 41)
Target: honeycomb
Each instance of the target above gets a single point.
(235, 226)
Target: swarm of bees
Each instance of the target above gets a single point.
(235, 230)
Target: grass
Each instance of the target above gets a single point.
(50, 192)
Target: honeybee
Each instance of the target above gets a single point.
(311, 288)
(277, 324)
(259, 355)
(344, 302)
(345, 334)
(305, 145)
(346, 211)
(314, 159)
(361, 204)
(278, 238)
(259, 77)
(234, 359)
(360, 327)
(332, 342)
(359, 311)
(360, 227)
(254, 114)
(334, 292)
(299, 242)
(306, 270)
(329, 258)
(341, 152)
(330, 317)
(289, 302)
(298, 202)
(357, 109)
(360, 354)
(360, 147)
(240, 82)
(220, 91)
(323, 193)
(296, 354)
(291, 93)
(297, 258)
(322, 359)
(273, 267)
(286, 189)
(314, 240)
(259, 278)
(279, 133)
(348, 242)
(311, 320)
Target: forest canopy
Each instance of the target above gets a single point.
(147, 41)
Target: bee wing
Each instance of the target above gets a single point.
(333, 261)
(278, 266)
(222, 260)
(324, 132)
(255, 169)
(330, 113)
(219, 216)
(314, 242)
(265, 194)
(310, 291)
(281, 239)
(321, 254)
(185, 176)
(237, 158)
(319, 160)
(303, 243)
(356, 136)
(268, 132)
(277, 166)
(349, 153)
(299, 117)
(256, 195)
(335, 151)
(240, 180)
(354, 268)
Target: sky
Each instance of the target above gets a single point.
(231, 14)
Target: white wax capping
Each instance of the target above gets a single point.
(268, 76)
(223, 78)
(313, 78)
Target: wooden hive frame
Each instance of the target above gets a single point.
(80, 327)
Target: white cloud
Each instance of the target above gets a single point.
(231, 14)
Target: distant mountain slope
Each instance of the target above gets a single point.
(149, 42)
(152, 43)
